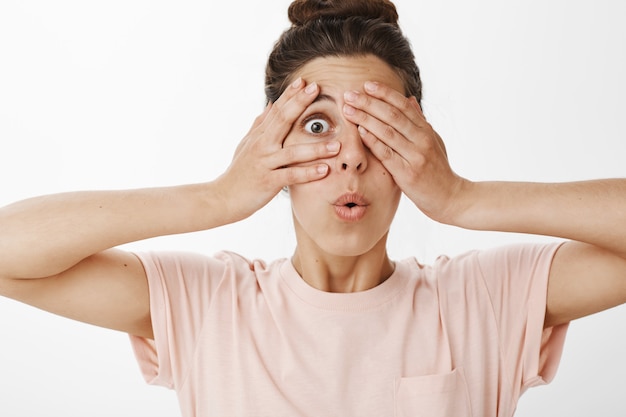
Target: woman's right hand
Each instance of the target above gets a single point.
(262, 166)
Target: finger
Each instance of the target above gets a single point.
(391, 160)
(261, 117)
(391, 96)
(301, 174)
(257, 122)
(287, 109)
(391, 124)
(302, 153)
(383, 131)
(407, 105)
(389, 106)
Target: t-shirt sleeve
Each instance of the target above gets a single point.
(180, 286)
(516, 278)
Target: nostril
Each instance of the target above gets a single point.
(344, 166)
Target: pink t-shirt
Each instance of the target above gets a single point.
(463, 337)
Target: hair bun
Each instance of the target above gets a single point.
(302, 11)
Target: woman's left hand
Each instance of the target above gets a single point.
(395, 130)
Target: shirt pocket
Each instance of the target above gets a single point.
(440, 395)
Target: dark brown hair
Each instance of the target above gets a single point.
(322, 28)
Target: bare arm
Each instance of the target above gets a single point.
(55, 251)
(47, 235)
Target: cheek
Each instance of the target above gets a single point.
(386, 185)
(300, 195)
(305, 206)
(383, 176)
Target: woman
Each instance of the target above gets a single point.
(345, 133)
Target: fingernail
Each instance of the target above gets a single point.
(362, 130)
(350, 96)
(349, 110)
(311, 88)
(297, 83)
(371, 86)
(332, 146)
(322, 169)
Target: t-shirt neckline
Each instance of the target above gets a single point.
(353, 301)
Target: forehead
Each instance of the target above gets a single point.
(335, 75)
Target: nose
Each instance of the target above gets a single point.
(353, 154)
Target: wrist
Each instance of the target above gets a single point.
(456, 209)
(211, 206)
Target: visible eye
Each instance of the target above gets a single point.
(317, 126)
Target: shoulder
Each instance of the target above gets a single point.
(506, 259)
(173, 266)
(193, 262)
(492, 275)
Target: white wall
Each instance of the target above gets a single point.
(124, 94)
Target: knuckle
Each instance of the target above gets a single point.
(394, 114)
(389, 132)
(362, 117)
(419, 161)
(433, 146)
(386, 152)
(359, 117)
(406, 105)
(365, 100)
(291, 175)
(427, 144)
(289, 153)
(258, 120)
(281, 114)
(321, 150)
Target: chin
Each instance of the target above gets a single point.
(350, 247)
(347, 241)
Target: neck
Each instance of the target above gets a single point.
(334, 273)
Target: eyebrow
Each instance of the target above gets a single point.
(323, 97)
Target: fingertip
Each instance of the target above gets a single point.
(371, 86)
(322, 169)
(311, 88)
(333, 146)
(297, 83)
(349, 110)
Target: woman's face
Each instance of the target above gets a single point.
(349, 211)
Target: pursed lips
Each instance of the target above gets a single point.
(351, 207)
